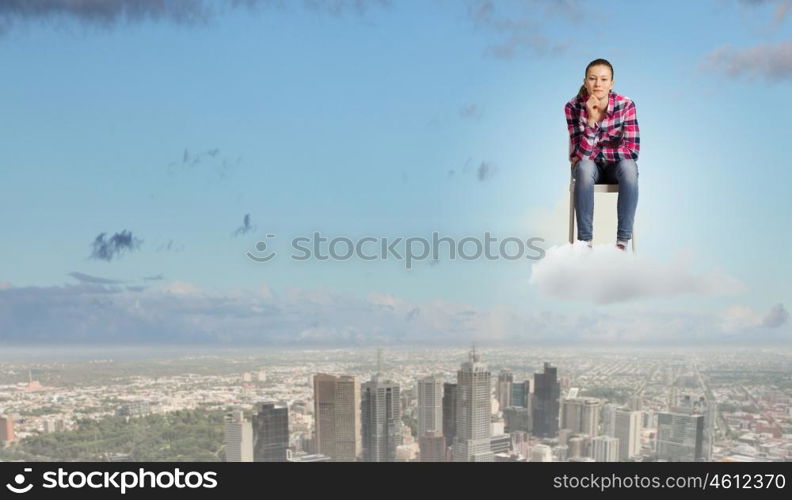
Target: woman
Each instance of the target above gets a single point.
(603, 149)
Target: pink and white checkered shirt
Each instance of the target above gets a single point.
(612, 139)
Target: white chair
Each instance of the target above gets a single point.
(598, 188)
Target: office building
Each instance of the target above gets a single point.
(337, 428)
(270, 433)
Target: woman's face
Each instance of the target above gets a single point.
(598, 81)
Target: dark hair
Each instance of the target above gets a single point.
(595, 62)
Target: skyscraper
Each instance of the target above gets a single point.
(449, 412)
(605, 449)
(700, 406)
(590, 418)
(680, 437)
(503, 391)
(628, 430)
(380, 420)
(238, 438)
(337, 417)
(517, 419)
(521, 395)
(430, 405)
(545, 401)
(709, 409)
(270, 433)
(474, 412)
(572, 414)
(609, 419)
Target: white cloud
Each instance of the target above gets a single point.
(605, 275)
(738, 317)
(106, 314)
(741, 318)
(771, 61)
(182, 288)
(777, 316)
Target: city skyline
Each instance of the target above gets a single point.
(631, 407)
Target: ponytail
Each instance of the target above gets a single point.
(581, 91)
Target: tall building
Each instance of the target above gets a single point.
(609, 419)
(517, 419)
(680, 437)
(473, 412)
(380, 413)
(270, 433)
(503, 391)
(627, 428)
(545, 402)
(238, 438)
(581, 415)
(449, 412)
(572, 415)
(430, 405)
(337, 417)
(689, 406)
(433, 447)
(605, 449)
(710, 410)
(521, 394)
(590, 418)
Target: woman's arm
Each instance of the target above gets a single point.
(630, 144)
(581, 142)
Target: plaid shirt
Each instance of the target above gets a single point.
(614, 138)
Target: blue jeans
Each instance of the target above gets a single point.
(625, 174)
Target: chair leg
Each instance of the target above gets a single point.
(572, 212)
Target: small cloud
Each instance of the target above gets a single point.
(135, 288)
(521, 33)
(777, 316)
(486, 170)
(87, 278)
(245, 228)
(4, 285)
(739, 318)
(782, 7)
(193, 159)
(154, 278)
(112, 13)
(472, 111)
(773, 62)
(605, 275)
(182, 288)
(170, 246)
(115, 246)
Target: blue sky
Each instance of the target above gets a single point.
(349, 120)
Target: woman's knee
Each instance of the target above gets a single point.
(585, 170)
(628, 170)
